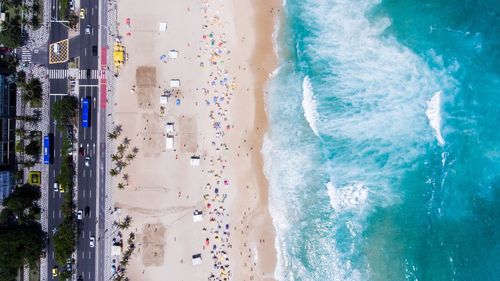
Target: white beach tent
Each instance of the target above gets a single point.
(175, 83)
(196, 259)
(170, 142)
(173, 54)
(163, 99)
(116, 250)
(162, 27)
(169, 127)
(197, 216)
(195, 160)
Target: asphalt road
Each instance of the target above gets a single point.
(87, 138)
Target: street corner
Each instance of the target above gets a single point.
(59, 52)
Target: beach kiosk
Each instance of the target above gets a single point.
(195, 160)
(197, 216)
(175, 83)
(196, 259)
(170, 142)
(118, 55)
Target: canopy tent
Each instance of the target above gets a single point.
(169, 127)
(163, 99)
(170, 142)
(195, 160)
(162, 27)
(196, 259)
(173, 54)
(175, 83)
(197, 216)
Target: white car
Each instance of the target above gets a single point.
(56, 186)
(80, 215)
(87, 161)
(92, 241)
(87, 29)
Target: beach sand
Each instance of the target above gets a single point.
(225, 55)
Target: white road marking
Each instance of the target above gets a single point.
(59, 213)
(83, 174)
(83, 236)
(89, 271)
(83, 193)
(90, 172)
(85, 51)
(84, 134)
(89, 259)
(90, 193)
(83, 255)
(53, 214)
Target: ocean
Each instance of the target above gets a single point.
(383, 149)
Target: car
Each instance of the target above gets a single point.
(71, 4)
(81, 151)
(79, 215)
(87, 73)
(87, 211)
(68, 265)
(82, 13)
(87, 29)
(92, 241)
(55, 271)
(94, 50)
(87, 161)
(56, 186)
(61, 188)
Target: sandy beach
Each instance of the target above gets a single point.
(210, 64)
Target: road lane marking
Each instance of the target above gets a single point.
(90, 193)
(83, 255)
(83, 193)
(84, 134)
(83, 236)
(89, 271)
(89, 259)
(53, 214)
(59, 213)
(83, 174)
(90, 172)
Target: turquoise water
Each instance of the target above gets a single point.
(384, 143)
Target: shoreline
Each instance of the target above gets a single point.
(222, 123)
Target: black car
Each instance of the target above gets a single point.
(94, 50)
(87, 211)
(87, 73)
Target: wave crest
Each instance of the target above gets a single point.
(309, 104)
(433, 113)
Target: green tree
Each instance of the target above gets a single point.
(22, 202)
(64, 110)
(33, 148)
(11, 36)
(64, 241)
(32, 92)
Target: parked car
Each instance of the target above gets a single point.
(79, 215)
(82, 13)
(61, 188)
(55, 271)
(56, 186)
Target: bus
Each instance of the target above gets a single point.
(85, 112)
(46, 150)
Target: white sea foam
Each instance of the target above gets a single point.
(309, 105)
(353, 197)
(433, 113)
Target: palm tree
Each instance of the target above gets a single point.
(113, 172)
(120, 185)
(115, 157)
(125, 178)
(112, 135)
(118, 129)
(121, 148)
(135, 150)
(130, 157)
(121, 164)
(126, 142)
(32, 91)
